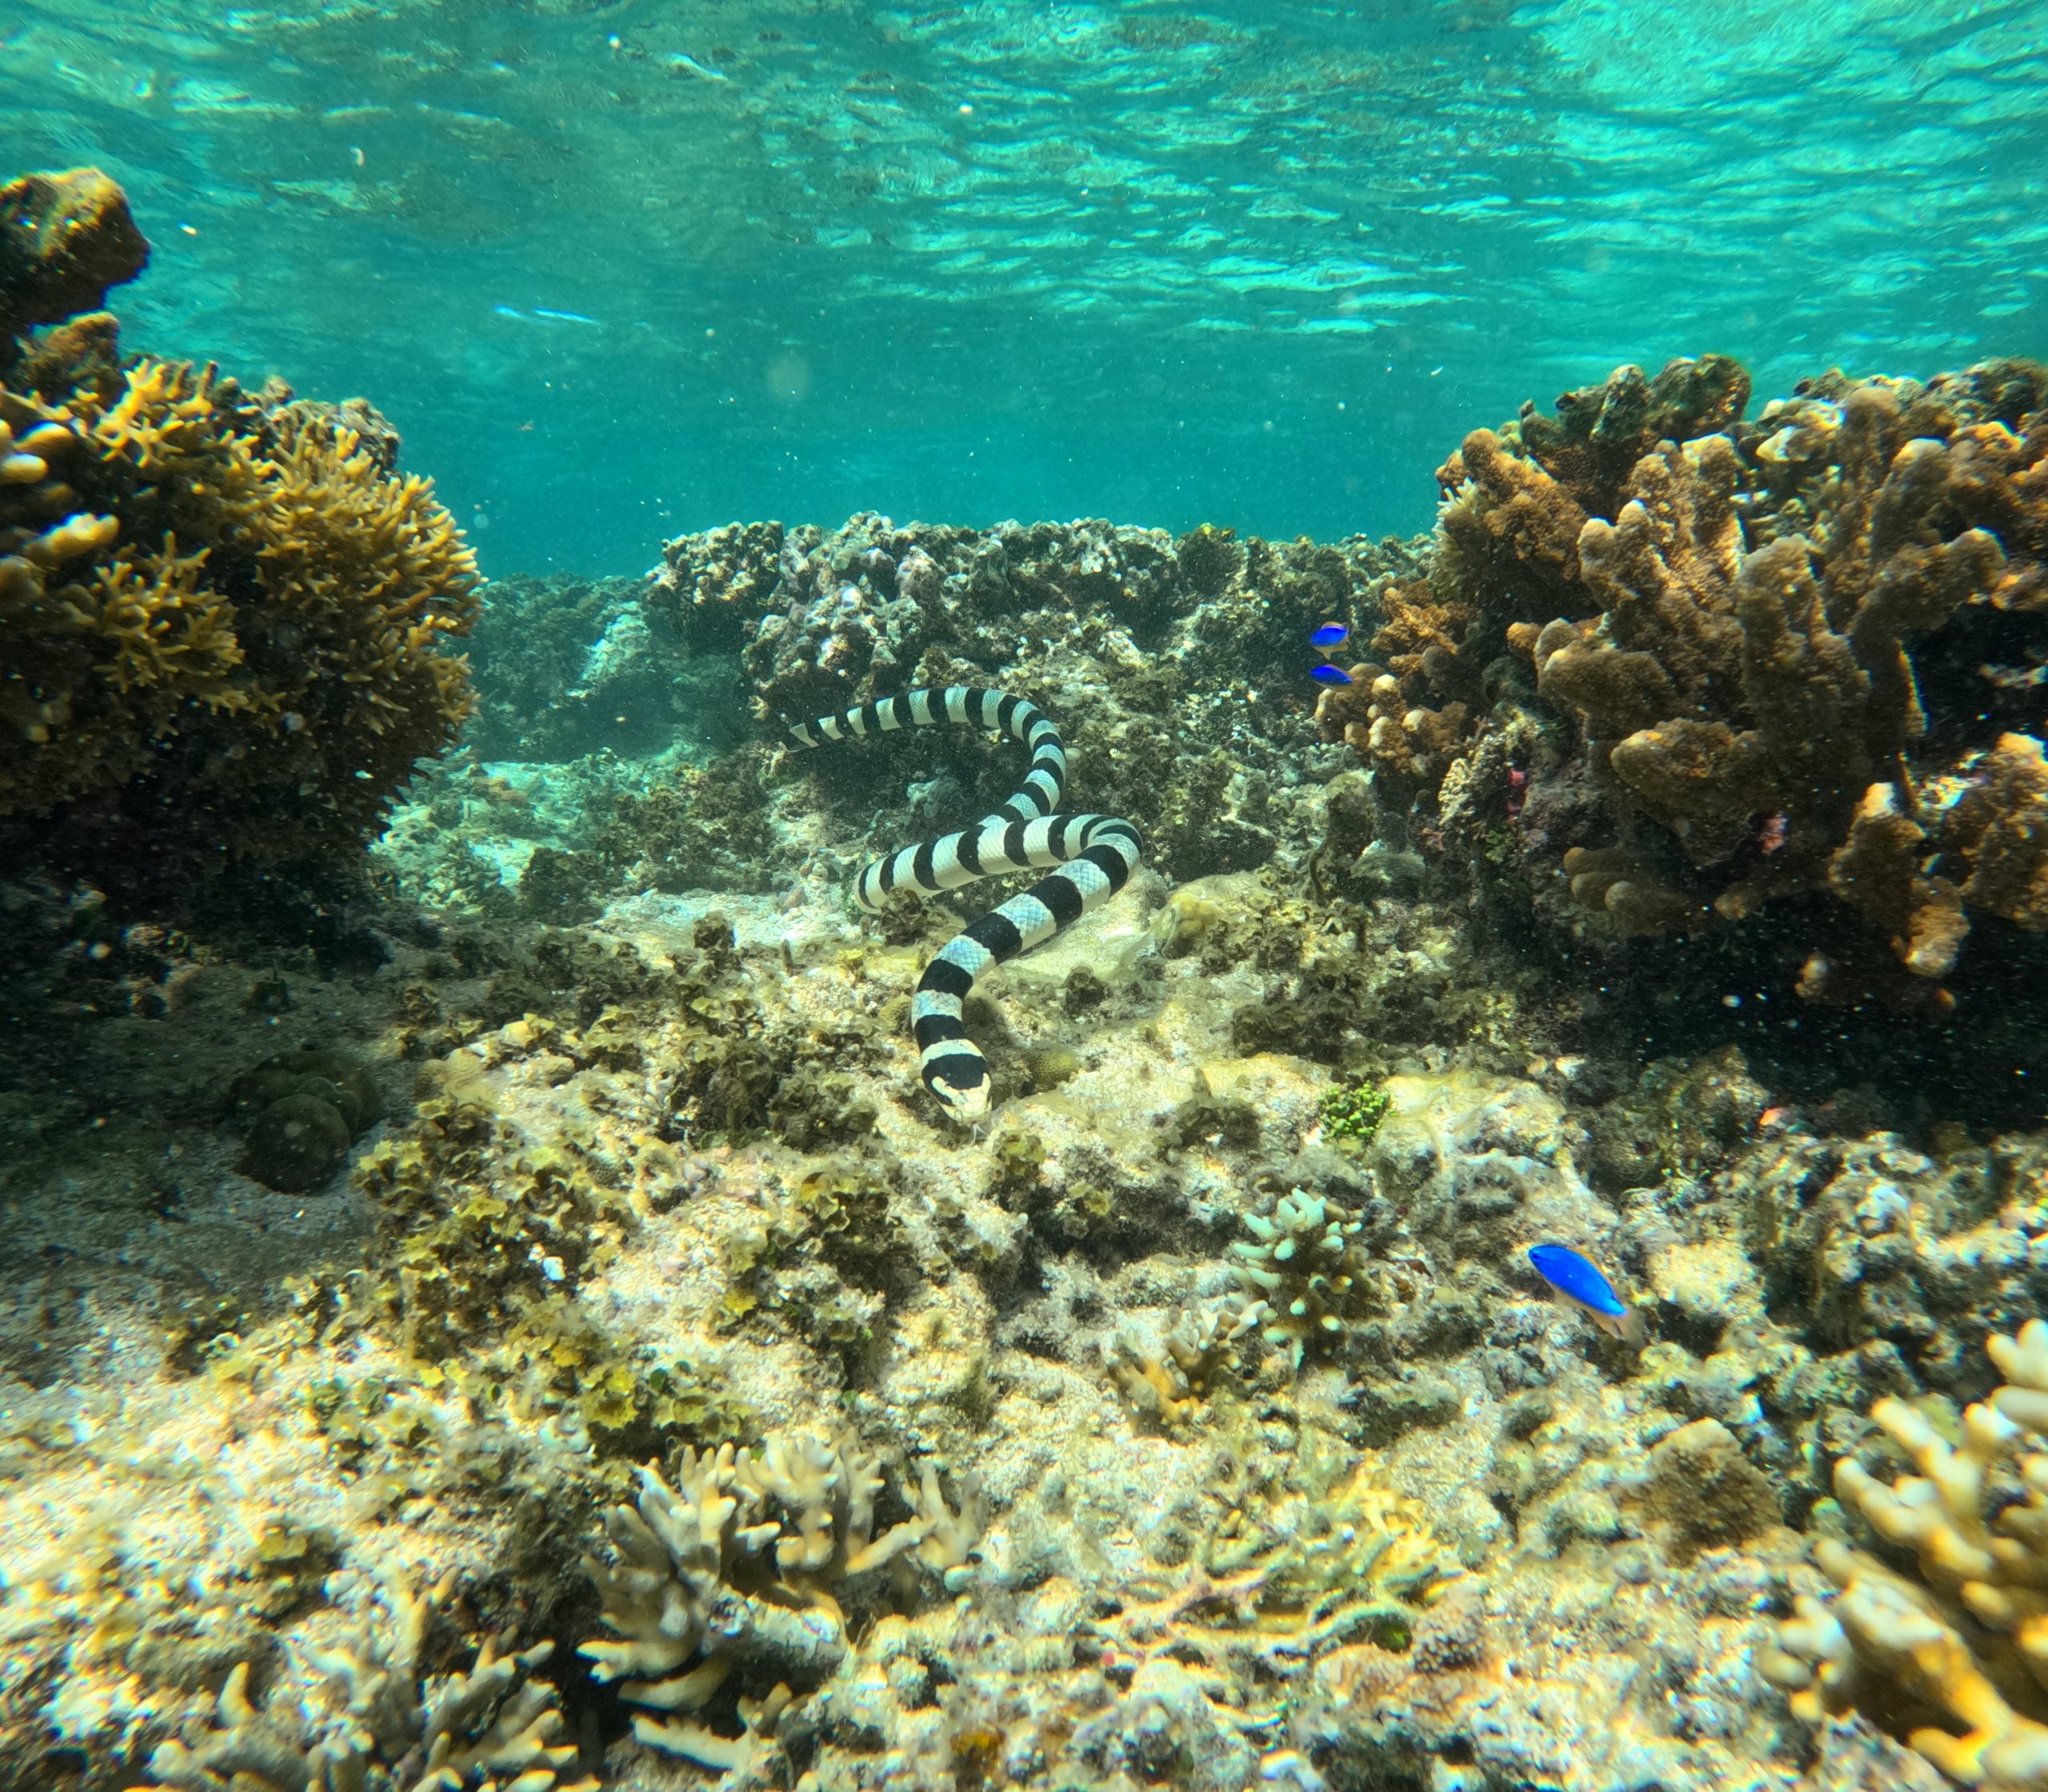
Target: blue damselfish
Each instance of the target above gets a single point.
(1330, 675)
(1579, 1280)
(1330, 635)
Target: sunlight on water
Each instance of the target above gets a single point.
(1035, 260)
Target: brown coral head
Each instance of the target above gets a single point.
(1997, 832)
(1877, 872)
(1617, 883)
(64, 239)
(1703, 1493)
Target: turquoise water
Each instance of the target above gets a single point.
(620, 270)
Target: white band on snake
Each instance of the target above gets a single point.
(1095, 854)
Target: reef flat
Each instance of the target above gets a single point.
(497, 1309)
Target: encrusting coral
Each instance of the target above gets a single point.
(742, 1565)
(1956, 1653)
(225, 619)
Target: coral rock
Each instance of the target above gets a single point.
(64, 239)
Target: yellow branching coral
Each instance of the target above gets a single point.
(225, 619)
(1956, 1652)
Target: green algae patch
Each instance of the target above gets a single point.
(1352, 1115)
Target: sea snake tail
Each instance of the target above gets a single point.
(1095, 854)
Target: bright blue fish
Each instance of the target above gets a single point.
(1577, 1279)
(1330, 635)
(1330, 675)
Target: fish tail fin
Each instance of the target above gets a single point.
(1631, 1328)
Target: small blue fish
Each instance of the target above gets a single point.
(1330, 675)
(1577, 1278)
(1330, 635)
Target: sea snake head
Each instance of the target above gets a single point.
(967, 1105)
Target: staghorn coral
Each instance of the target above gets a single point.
(226, 623)
(381, 1722)
(742, 1565)
(1953, 1651)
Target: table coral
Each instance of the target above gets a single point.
(1960, 1638)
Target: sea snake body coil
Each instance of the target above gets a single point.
(1095, 854)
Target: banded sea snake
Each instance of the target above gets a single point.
(1095, 854)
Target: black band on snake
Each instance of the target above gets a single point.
(1096, 854)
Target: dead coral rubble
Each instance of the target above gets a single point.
(1794, 657)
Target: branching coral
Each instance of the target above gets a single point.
(1282, 1581)
(1954, 1651)
(1168, 1379)
(1784, 650)
(225, 625)
(382, 1722)
(1303, 1274)
(743, 1565)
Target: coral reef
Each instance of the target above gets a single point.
(226, 620)
(1949, 1650)
(1106, 626)
(1199, 1423)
